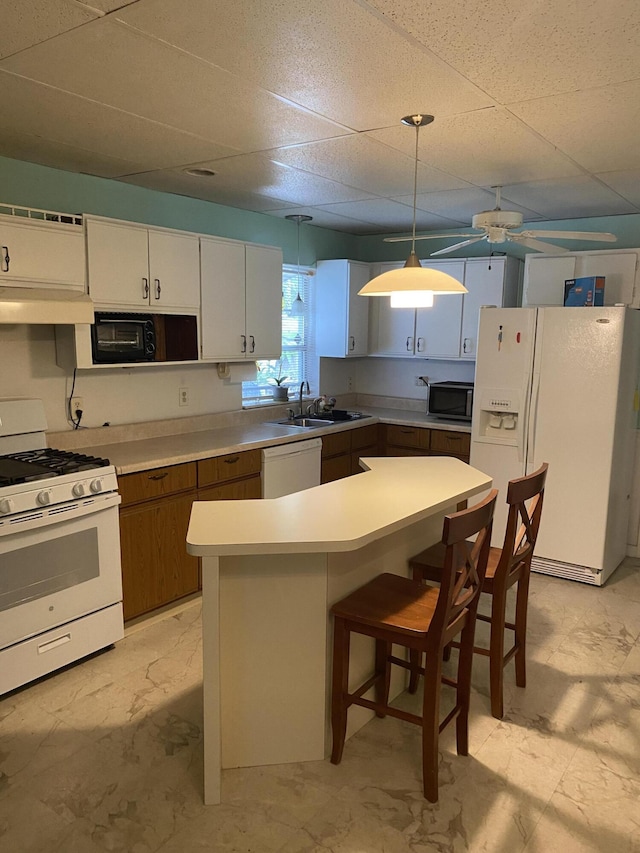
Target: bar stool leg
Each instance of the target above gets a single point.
(431, 726)
(414, 663)
(522, 598)
(383, 672)
(496, 652)
(340, 687)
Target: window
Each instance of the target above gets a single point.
(298, 361)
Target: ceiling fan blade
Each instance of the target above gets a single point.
(601, 236)
(538, 245)
(426, 237)
(457, 246)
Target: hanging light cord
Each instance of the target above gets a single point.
(417, 120)
(298, 280)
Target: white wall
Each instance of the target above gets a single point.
(396, 377)
(116, 395)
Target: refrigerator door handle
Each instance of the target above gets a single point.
(533, 420)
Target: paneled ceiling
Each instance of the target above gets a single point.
(296, 104)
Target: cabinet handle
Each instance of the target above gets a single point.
(466, 345)
(231, 461)
(409, 343)
(5, 259)
(158, 476)
(454, 438)
(158, 288)
(253, 343)
(420, 344)
(406, 431)
(243, 348)
(145, 288)
(352, 343)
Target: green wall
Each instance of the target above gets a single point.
(31, 185)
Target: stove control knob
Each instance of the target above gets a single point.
(78, 490)
(44, 497)
(96, 486)
(6, 506)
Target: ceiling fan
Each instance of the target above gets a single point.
(499, 227)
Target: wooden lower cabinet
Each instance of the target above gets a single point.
(424, 441)
(154, 518)
(341, 451)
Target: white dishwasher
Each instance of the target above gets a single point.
(291, 467)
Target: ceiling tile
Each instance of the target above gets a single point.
(142, 76)
(106, 5)
(308, 53)
(486, 147)
(597, 128)
(527, 50)
(30, 22)
(58, 155)
(326, 219)
(255, 172)
(384, 214)
(36, 110)
(203, 188)
(359, 161)
(461, 205)
(570, 198)
(626, 184)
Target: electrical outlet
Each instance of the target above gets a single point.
(76, 403)
(349, 383)
(183, 396)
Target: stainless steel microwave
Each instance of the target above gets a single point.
(453, 400)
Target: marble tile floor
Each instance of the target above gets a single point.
(107, 755)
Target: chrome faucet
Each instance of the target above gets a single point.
(314, 407)
(302, 390)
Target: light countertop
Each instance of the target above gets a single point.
(159, 451)
(340, 516)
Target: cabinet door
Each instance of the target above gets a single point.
(485, 288)
(357, 311)
(41, 254)
(174, 270)
(263, 302)
(391, 330)
(156, 568)
(118, 264)
(544, 279)
(222, 298)
(438, 328)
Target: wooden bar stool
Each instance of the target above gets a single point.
(397, 610)
(507, 566)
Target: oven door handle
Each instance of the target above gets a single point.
(38, 518)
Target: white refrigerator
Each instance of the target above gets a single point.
(560, 385)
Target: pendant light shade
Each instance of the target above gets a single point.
(297, 306)
(413, 286)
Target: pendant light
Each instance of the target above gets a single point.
(297, 306)
(413, 286)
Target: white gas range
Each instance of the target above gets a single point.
(60, 578)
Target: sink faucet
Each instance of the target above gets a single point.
(313, 407)
(303, 385)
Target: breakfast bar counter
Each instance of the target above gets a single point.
(271, 571)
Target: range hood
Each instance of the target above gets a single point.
(43, 305)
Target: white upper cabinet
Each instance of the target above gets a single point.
(449, 329)
(34, 254)
(489, 281)
(241, 300)
(545, 275)
(342, 317)
(134, 267)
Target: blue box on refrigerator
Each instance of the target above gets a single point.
(585, 291)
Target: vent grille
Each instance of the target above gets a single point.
(37, 215)
(570, 571)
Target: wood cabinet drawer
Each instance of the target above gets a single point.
(336, 443)
(443, 441)
(233, 466)
(367, 436)
(335, 468)
(239, 490)
(407, 436)
(158, 482)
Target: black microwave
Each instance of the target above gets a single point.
(118, 338)
(453, 400)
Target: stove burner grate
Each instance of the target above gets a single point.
(28, 465)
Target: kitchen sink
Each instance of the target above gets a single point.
(305, 423)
